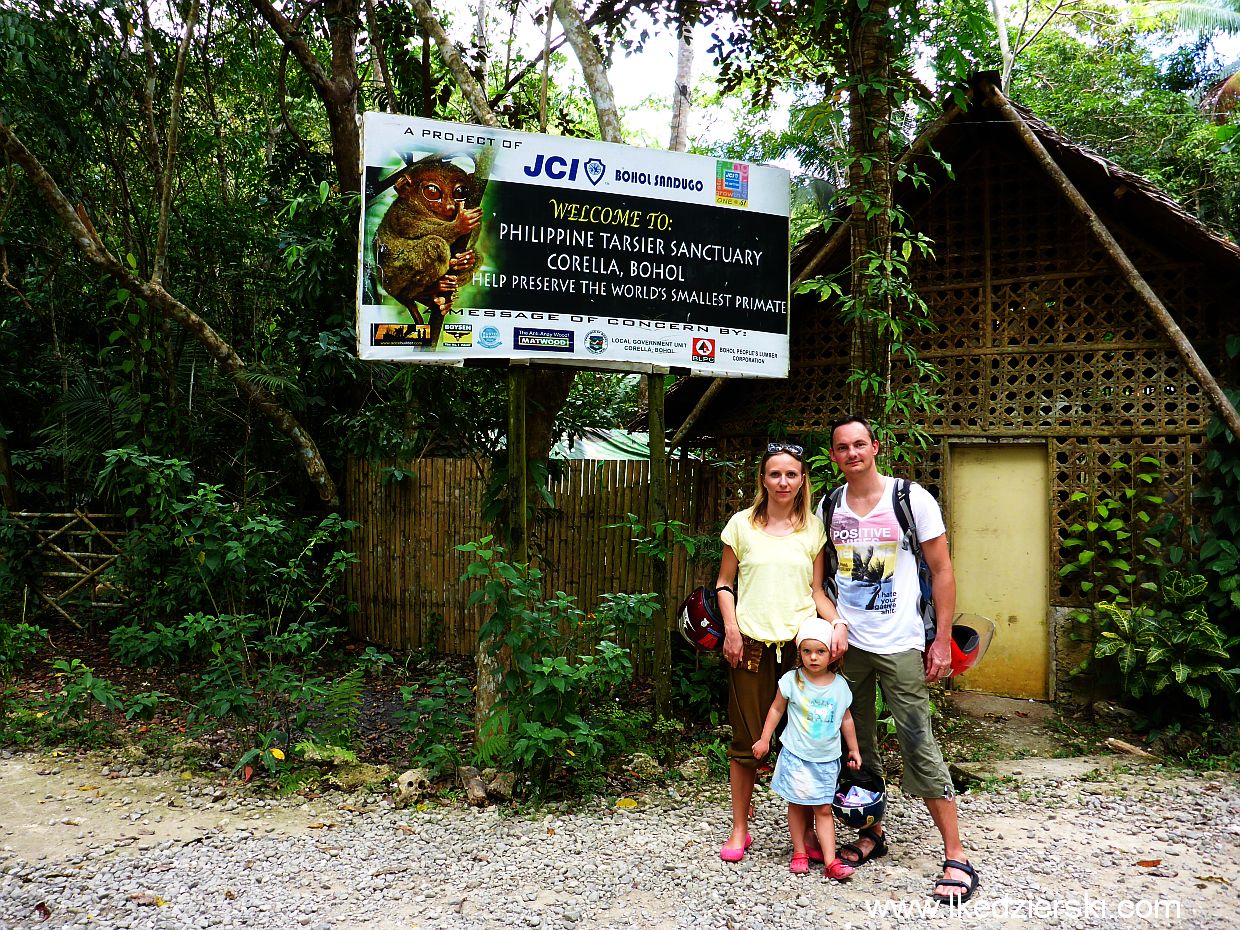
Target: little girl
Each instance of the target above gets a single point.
(809, 767)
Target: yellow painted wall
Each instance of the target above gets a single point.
(1000, 546)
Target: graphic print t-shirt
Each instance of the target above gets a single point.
(814, 717)
(877, 574)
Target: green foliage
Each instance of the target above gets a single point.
(436, 716)
(21, 561)
(888, 307)
(661, 539)
(1218, 538)
(560, 666)
(266, 752)
(81, 689)
(1169, 648)
(1103, 86)
(700, 687)
(1118, 544)
(197, 555)
(243, 594)
(18, 642)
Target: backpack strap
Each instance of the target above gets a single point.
(826, 511)
(901, 502)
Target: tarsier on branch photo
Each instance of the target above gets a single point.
(424, 244)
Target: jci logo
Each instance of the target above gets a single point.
(703, 350)
(558, 168)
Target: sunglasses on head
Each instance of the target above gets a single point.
(773, 448)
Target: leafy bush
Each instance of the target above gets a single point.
(18, 642)
(197, 552)
(1118, 545)
(1218, 555)
(245, 593)
(560, 668)
(81, 689)
(436, 716)
(1169, 645)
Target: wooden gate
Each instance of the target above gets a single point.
(77, 547)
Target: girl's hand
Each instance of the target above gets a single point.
(732, 647)
(761, 748)
(854, 759)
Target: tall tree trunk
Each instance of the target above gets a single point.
(682, 94)
(337, 89)
(592, 68)
(869, 116)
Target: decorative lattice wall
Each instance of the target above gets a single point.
(1037, 336)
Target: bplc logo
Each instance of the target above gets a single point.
(704, 350)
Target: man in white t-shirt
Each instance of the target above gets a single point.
(884, 639)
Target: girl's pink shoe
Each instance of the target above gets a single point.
(736, 855)
(799, 864)
(839, 870)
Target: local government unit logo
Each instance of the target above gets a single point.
(543, 340)
(489, 338)
(595, 170)
(704, 350)
(596, 342)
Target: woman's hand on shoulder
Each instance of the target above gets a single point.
(839, 639)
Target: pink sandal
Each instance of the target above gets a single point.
(839, 870)
(799, 864)
(736, 855)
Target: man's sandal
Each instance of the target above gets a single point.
(877, 851)
(954, 897)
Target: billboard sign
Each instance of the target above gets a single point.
(482, 244)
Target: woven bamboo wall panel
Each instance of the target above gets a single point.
(1089, 466)
(407, 580)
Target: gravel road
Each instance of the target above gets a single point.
(1061, 843)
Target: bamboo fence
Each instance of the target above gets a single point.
(407, 579)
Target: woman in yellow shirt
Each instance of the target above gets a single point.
(772, 570)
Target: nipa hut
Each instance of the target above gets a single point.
(1081, 317)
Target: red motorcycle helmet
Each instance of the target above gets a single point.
(971, 636)
(701, 623)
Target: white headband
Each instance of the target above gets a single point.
(816, 628)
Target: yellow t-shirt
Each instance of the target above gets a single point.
(774, 587)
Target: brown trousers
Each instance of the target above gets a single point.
(751, 689)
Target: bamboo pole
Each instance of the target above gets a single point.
(1109, 243)
(518, 465)
(656, 514)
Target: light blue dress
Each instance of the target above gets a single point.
(809, 763)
